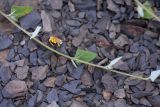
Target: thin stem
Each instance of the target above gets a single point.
(148, 11)
(69, 57)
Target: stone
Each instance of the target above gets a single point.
(23, 50)
(61, 69)
(71, 6)
(32, 101)
(5, 43)
(72, 87)
(33, 58)
(91, 16)
(49, 82)
(56, 14)
(14, 88)
(154, 100)
(78, 104)
(11, 54)
(53, 104)
(106, 95)
(60, 80)
(112, 6)
(6, 103)
(109, 83)
(77, 72)
(22, 72)
(39, 73)
(120, 93)
(141, 94)
(20, 63)
(87, 79)
(52, 96)
(5, 74)
(145, 102)
(121, 41)
(56, 4)
(101, 41)
(31, 20)
(47, 27)
(120, 103)
(134, 48)
(121, 65)
(76, 41)
(31, 46)
(73, 23)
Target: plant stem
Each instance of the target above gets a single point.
(69, 57)
(148, 11)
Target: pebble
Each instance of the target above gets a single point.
(112, 6)
(106, 95)
(22, 72)
(32, 101)
(109, 83)
(11, 54)
(56, 4)
(53, 104)
(120, 103)
(56, 14)
(5, 43)
(145, 102)
(14, 88)
(49, 82)
(73, 23)
(77, 72)
(60, 80)
(78, 104)
(154, 100)
(120, 93)
(33, 58)
(121, 65)
(52, 96)
(5, 74)
(61, 69)
(31, 20)
(39, 73)
(86, 79)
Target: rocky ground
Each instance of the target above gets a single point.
(32, 76)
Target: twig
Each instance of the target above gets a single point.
(69, 57)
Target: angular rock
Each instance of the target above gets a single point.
(56, 4)
(31, 20)
(31, 45)
(121, 41)
(76, 41)
(145, 102)
(78, 104)
(47, 27)
(5, 74)
(22, 72)
(121, 65)
(72, 87)
(154, 100)
(39, 73)
(52, 96)
(20, 63)
(107, 95)
(141, 94)
(112, 6)
(53, 104)
(56, 14)
(91, 16)
(33, 58)
(14, 88)
(11, 54)
(101, 41)
(120, 103)
(5, 43)
(87, 79)
(120, 93)
(77, 72)
(109, 83)
(73, 23)
(49, 82)
(61, 69)
(32, 101)
(60, 80)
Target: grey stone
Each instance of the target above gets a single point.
(52, 96)
(5, 43)
(5, 74)
(73, 23)
(22, 72)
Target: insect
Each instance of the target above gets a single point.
(55, 40)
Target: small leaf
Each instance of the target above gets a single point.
(154, 75)
(113, 62)
(149, 7)
(85, 55)
(19, 11)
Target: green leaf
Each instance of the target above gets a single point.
(19, 11)
(149, 7)
(85, 55)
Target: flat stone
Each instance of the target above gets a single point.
(86, 79)
(5, 43)
(22, 72)
(101, 41)
(72, 87)
(121, 65)
(154, 100)
(56, 14)
(23, 50)
(14, 88)
(11, 54)
(141, 94)
(52, 96)
(31, 45)
(120, 93)
(112, 6)
(60, 80)
(56, 4)
(33, 58)
(121, 41)
(106, 95)
(91, 16)
(20, 63)
(47, 27)
(49, 82)
(109, 83)
(73, 23)
(145, 102)
(39, 73)
(78, 104)
(32, 101)
(120, 103)
(61, 69)
(53, 104)
(5, 74)
(31, 20)
(77, 72)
